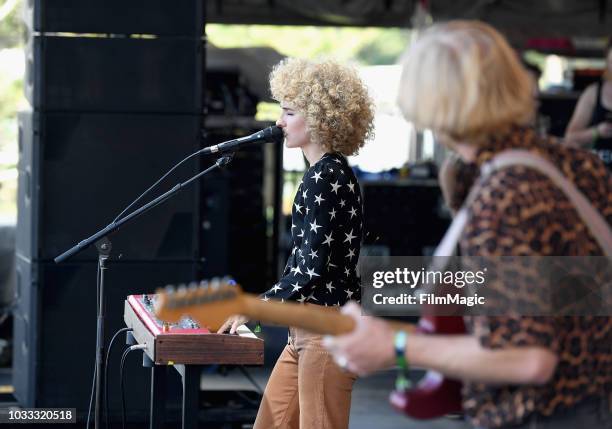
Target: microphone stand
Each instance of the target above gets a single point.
(104, 247)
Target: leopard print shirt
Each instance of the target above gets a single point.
(519, 212)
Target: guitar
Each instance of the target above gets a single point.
(211, 304)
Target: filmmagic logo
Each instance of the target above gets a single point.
(412, 278)
(429, 299)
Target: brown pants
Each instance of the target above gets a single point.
(306, 390)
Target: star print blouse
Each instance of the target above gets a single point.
(326, 232)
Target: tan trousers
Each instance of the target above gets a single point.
(306, 390)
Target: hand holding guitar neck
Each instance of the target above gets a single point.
(212, 303)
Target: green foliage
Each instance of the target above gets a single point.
(386, 48)
(267, 111)
(536, 58)
(11, 96)
(12, 27)
(368, 46)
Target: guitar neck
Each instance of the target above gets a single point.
(313, 318)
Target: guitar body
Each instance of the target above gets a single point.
(434, 396)
(211, 305)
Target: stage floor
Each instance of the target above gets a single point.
(369, 407)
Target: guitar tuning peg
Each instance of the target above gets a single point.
(205, 290)
(200, 295)
(229, 280)
(205, 284)
(226, 291)
(181, 294)
(190, 300)
(169, 292)
(193, 286)
(215, 283)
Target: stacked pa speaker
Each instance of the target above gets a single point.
(411, 206)
(116, 95)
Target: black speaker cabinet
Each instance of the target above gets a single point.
(411, 207)
(234, 224)
(55, 330)
(78, 171)
(233, 237)
(114, 74)
(159, 17)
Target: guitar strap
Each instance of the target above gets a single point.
(595, 222)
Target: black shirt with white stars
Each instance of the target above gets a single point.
(326, 232)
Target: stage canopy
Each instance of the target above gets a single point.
(520, 20)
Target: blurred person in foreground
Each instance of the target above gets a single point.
(463, 81)
(591, 123)
(328, 114)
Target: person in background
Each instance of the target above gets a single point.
(462, 80)
(328, 114)
(541, 122)
(591, 123)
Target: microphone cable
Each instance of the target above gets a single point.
(121, 378)
(93, 388)
(108, 352)
(258, 389)
(154, 185)
(249, 377)
(198, 152)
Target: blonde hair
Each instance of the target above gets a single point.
(462, 79)
(335, 103)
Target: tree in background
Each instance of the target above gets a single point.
(367, 46)
(11, 100)
(11, 38)
(10, 24)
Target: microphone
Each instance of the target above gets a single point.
(272, 134)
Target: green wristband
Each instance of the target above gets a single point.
(595, 134)
(402, 382)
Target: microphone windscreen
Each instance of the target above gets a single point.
(274, 134)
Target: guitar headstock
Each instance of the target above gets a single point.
(209, 302)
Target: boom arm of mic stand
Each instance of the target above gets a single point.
(114, 226)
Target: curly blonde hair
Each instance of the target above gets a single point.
(335, 103)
